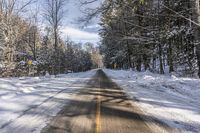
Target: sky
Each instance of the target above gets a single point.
(72, 29)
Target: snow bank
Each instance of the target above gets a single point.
(28, 103)
(174, 101)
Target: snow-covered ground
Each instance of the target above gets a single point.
(27, 104)
(174, 101)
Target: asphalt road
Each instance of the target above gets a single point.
(101, 107)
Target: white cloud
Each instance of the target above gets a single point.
(92, 26)
(78, 35)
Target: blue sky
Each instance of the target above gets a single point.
(72, 29)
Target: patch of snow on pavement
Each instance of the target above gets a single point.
(172, 100)
(28, 103)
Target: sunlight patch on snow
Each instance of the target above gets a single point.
(147, 77)
(173, 100)
(28, 103)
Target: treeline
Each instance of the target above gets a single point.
(157, 35)
(26, 50)
(33, 54)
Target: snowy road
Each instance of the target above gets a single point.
(91, 102)
(102, 107)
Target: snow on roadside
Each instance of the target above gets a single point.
(28, 103)
(174, 101)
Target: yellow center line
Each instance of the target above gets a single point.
(98, 115)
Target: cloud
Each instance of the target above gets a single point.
(78, 35)
(92, 28)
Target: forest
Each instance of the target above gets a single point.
(100, 66)
(161, 36)
(157, 35)
(30, 47)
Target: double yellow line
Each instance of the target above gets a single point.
(98, 115)
(98, 111)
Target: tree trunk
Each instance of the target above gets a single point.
(55, 51)
(160, 59)
(139, 63)
(160, 45)
(129, 56)
(34, 45)
(196, 18)
(170, 58)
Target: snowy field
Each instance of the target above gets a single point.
(27, 104)
(174, 101)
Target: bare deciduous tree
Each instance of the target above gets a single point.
(10, 26)
(54, 14)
